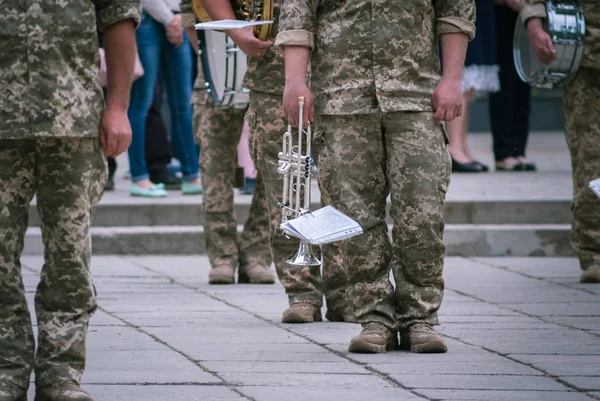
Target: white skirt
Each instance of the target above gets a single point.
(481, 78)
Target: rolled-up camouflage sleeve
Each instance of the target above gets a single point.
(188, 18)
(532, 9)
(297, 23)
(111, 11)
(455, 16)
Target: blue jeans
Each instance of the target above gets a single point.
(175, 65)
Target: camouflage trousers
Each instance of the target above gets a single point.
(67, 175)
(371, 157)
(218, 132)
(302, 284)
(582, 129)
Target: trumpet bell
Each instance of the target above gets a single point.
(305, 256)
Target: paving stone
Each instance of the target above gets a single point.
(144, 367)
(305, 380)
(557, 308)
(479, 382)
(536, 266)
(585, 383)
(487, 395)
(563, 365)
(581, 322)
(159, 393)
(498, 367)
(344, 367)
(119, 338)
(375, 393)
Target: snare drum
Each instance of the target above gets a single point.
(224, 66)
(566, 26)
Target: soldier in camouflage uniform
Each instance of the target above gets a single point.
(582, 129)
(265, 80)
(51, 106)
(379, 105)
(218, 131)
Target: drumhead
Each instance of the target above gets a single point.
(528, 66)
(223, 66)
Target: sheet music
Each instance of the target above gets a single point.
(595, 186)
(322, 226)
(228, 24)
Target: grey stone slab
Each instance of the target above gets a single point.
(471, 367)
(479, 382)
(305, 380)
(119, 338)
(225, 335)
(475, 309)
(564, 308)
(487, 395)
(582, 322)
(375, 393)
(159, 393)
(541, 267)
(344, 367)
(563, 365)
(584, 383)
(144, 367)
(506, 321)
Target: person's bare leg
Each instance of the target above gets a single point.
(457, 134)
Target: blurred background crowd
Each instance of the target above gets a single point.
(163, 155)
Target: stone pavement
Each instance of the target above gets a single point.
(519, 329)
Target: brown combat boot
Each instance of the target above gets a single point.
(8, 392)
(591, 275)
(255, 274)
(64, 391)
(374, 338)
(222, 274)
(302, 313)
(421, 337)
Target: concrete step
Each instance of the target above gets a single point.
(164, 213)
(461, 240)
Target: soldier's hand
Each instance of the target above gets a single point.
(540, 41)
(250, 44)
(291, 111)
(115, 132)
(447, 100)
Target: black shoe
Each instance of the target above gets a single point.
(110, 184)
(471, 167)
(166, 177)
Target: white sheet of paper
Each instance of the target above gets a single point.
(322, 226)
(229, 24)
(595, 186)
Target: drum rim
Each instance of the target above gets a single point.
(540, 78)
(227, 100)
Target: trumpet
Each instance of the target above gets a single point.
(295, 166)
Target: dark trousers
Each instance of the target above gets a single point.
(509, 108)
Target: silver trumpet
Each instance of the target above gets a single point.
(295, 166)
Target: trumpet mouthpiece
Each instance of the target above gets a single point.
(300, 98)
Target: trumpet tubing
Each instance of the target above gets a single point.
(295, 164)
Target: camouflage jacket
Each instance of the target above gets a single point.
(49, 58)
(264, 75)
(373, 55)
(591, 14)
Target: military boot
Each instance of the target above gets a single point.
(591, 275)
(255, 274)
(374, 338)
(302, 313)
(64, 391)
(12, 393)
(421, 337)
(223, 274)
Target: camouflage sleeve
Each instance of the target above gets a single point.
(532, 9)
(455, 16)
(110, 11)
(297, 23)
